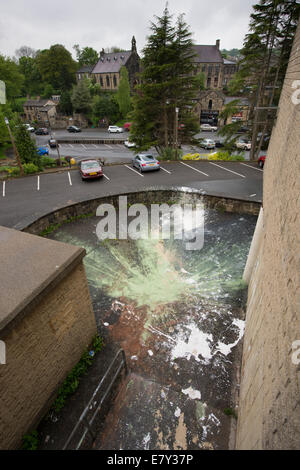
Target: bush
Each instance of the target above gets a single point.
(13, 171)
(169, 153)
(48, 162)
(30, 168)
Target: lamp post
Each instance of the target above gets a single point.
(176, 131)
(15, 147)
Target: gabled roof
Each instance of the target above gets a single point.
(229, 62)
(208, 54)
(39, 103)
(243, 101)
(112, 62)
(85, 69)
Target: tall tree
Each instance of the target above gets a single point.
(265, 54)
(81, 97)
(123, 93)
(57, 67)
(25, 51)
(25, 145)
(169, 85)
(86, 55)
(11, 76)
(33, 83)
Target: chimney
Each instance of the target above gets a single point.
(102, 53)
(218, 43)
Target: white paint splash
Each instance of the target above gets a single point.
(193, 394)
(226, 348)
(177, 412)
(150, 352)
(146, 441)
(198, 344)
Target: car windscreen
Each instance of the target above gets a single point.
(147, 158)
(86, 166)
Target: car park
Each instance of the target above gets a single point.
(42, 151)
(42, 131)
(243, 144)
(208, 144)
(52, 142)
(115, 129)
(261, 161)
(208, 128)
(145, 162)
(73, 129)
(90, 169)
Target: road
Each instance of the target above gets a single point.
(23, 200)
(109, 152)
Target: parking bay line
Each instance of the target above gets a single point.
(70, 181)
(3, 189)
(106, 177)
(38, 183)
(226, 169)
(195, 169)
(253, 167)
(134, 171)
(166, 170)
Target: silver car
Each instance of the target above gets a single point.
(145, 162)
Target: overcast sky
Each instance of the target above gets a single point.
(99, 23)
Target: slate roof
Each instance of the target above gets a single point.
(229, 62)
(208, 54)
(243, 101)
(85, 69)
(112, 62)
(36, 102)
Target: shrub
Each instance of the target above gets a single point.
(169, 153)
(13, 171)
(30, 168)
(48, 162)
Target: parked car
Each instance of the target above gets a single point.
(219, 143)
(42, 131)
(42, 151)
(145, 162)
(29, 127)
(208, 127)
(243, 130)
(115, 129)
(90, 169)
(73, 129)
(207, 144)
(261, 161)
(52, 142)
(127, 126)
(243, 144)
(129, 144)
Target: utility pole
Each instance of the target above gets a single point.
(58, 153)
(15, 147)
(176, 132)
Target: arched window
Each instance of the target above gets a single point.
(101, 81)
(107, 81)
(210, 104)
(115, 81)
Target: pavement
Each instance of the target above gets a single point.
(23, 200)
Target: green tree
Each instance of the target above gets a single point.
(25, 145)
(65, 104)
(86, 55)
(106, 107)
(81, 97)
(169, 81)
(10, 74)
(123, 93)
(33, 84)
(48, 91)
(57, 67)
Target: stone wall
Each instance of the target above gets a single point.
(269, 408)
(46, 322)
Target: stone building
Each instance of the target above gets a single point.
(42, 111)
(269, 405)
(107, 70)
(218, 72)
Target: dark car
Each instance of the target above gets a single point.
(90, 169)
(42, 131)
(73, 129)
(52, 142)
(243, 130)
(219, 144)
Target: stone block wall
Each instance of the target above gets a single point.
(269, 408)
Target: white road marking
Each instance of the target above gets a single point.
(96, 146)
(71, 146)
(83, 146)
(70, 181)
(165, 170)
(38, 183)
(134, 171)
(226, 169)
(106, 145)
(253, 167)
(252, 195)
(3, 189)
(195, 169)
(106, 177)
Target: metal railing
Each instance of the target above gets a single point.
(93, 407)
